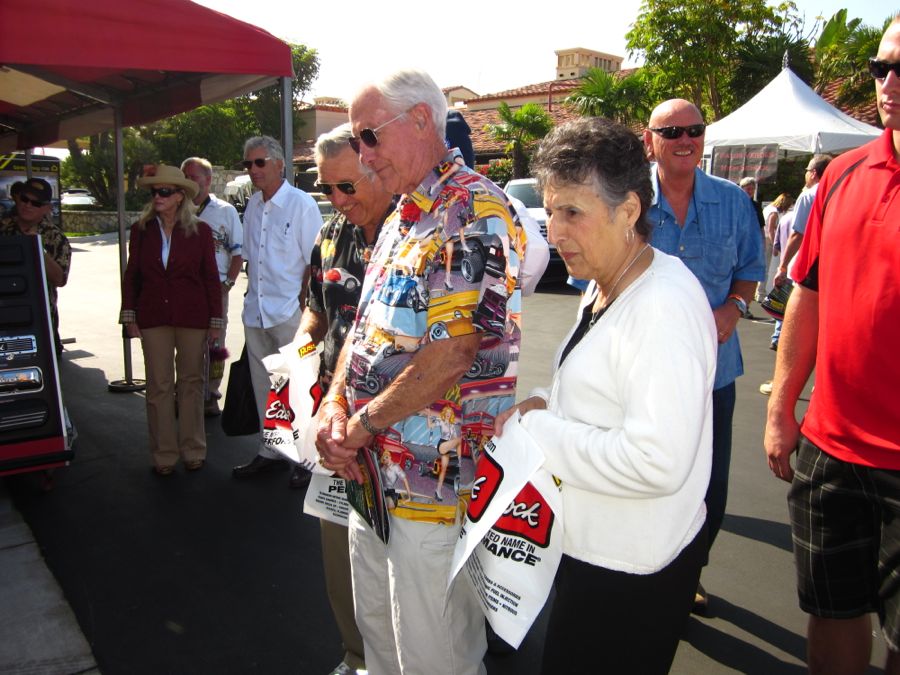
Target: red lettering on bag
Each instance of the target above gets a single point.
(278, 407)
(527, 516)
(488, 475)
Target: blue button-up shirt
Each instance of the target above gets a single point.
(720, 243)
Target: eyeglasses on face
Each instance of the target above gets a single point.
(163, 192)
(260, 162)
(346, 187)
(671, 133)
(880, 69)
(370, 136)
(37, 203)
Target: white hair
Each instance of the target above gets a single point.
(270, 145)
(406, 88)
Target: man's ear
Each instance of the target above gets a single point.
(648, 143)
(421, 115)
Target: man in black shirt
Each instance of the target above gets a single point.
(337, 268)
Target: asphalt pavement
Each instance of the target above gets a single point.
(119, 571)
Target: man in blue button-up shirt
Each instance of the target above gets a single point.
(710, 224)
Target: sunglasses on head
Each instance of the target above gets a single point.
(880, 69)
(369, 136)
(34, 202)
(347, 188)
(671, 133)
(259, 161)
(163, 192)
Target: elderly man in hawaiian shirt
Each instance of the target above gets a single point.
(432, 355)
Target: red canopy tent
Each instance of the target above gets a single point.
(66, 66)
(70, 69)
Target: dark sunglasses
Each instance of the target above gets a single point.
(259, 161)
(880, 69)
(369, 136)
(34, 202)
(327, 188)
(163, 192)
(671, 133)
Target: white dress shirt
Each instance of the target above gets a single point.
(278, 240)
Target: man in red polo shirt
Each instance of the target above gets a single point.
(843, 318)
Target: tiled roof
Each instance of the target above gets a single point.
(559, 86)
(304, 152)
(324, 108)
(481, 140)
(868, 112)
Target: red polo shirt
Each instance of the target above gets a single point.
(854, 414)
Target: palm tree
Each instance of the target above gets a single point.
(625, 100)
(842, 51)
(760, 59)
(520, 129)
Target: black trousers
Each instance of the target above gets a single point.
(604, 621)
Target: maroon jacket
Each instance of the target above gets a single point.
(186, 293)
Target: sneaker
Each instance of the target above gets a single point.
(766, 388)
(343, 669)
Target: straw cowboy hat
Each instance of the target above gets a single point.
(163, 174)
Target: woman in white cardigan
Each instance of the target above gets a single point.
(627, 422)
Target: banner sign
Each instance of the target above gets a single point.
(734, 162)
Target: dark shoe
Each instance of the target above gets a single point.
(701, 601)
(300, 477)
(259, 464)
(774, 346)
(194, 464)
(211, 409)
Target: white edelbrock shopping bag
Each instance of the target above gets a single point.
(510, 544)
(294, 395)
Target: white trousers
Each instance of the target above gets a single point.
(398, 595)
(262, 342)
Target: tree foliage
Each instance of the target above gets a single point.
(626, 100)
(759, 61)
(216, 131)
(520, 129)
(694, 43)
(842, 50)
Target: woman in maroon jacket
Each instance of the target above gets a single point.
(172, 301)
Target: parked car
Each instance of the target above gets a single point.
(525, 190)
(77, 197)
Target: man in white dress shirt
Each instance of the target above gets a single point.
(280, 228)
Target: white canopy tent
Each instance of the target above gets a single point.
(787, 112)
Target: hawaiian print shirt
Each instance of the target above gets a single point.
(337, 266)
(55, 244)
(446, 265)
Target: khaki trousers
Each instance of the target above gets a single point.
(339, 585)
(398, 596)
(212, 385)
(167, 350)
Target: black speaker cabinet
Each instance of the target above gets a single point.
(32, 429)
